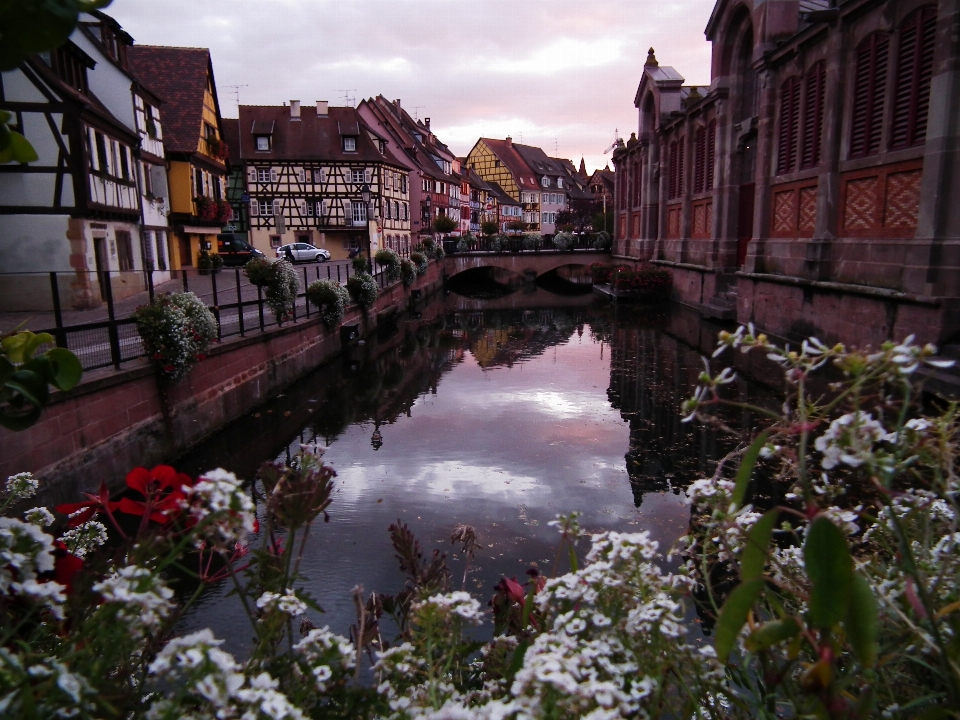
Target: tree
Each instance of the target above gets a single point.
(444, 224)
(517, 225)
(580, 215)
(489, 228)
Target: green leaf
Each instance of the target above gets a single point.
(32, 26)
(754, 558)
(830, 567)
(68, 369)
(13, 346)
(733, 616)
(746, 467)
(18, 419)
(28, 385)
(862, 622)
(771, 633)
(18, 149)
(516, 662)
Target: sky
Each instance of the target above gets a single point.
(559, 74)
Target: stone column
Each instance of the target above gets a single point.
(766, 151)
(686, 221)
(725, 185)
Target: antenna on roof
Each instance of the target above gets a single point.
(236, 91)
(416, 115)
(348, 99)
(556, 147)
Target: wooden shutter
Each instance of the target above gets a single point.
(277, 207)
(814, 92)
(674, 157)
(254, 207)
(303, 207)
(869, 94)
(301, 175)
(680, 144)
(711, 154)
(273, 175)
(367, 176)
(251, 175)
(348, 212)
(911, 98)
(789, 125)
(700, 161)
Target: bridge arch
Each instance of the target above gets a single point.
(524, 264)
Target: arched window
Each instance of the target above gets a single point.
(869, 94)
(711, 153)
(813, 96)
(911, 98)
(789, 125)
(676, 169)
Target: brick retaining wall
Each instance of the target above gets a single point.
(113, 420)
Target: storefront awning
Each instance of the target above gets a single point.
(200, 230)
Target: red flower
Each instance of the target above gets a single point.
(162, 491)
(168, 369)
(96, 504)
(65, 566)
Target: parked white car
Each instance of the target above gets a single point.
(302, 252)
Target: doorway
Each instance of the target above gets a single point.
(185, 259)
(100, 258)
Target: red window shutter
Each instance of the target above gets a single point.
(674, 159)
(680, 145)
(814, 93)
(789, 125)
(700, 161)
(914, 72)
(869, 94)
(711, 153)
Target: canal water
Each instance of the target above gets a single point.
(497, 413)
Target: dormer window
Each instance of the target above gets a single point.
(263, 143)
(349, 144)
(559, 182)
(545, 181)
(382, 146)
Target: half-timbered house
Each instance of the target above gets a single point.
(305, 170)
(500, 161)
(193, 140)
(76, 210)
(805, 189)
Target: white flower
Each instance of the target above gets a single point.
(26, 552)
(39, 516)
(85, 537)
(458, 603)
(288, 603)
(222, 510)
(143, 599)
(329, 656)
(850, 439)
(22, 486)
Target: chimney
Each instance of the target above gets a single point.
(397, 103)
(426, 123)
(509, 141)
(294, 109)
(322, 108)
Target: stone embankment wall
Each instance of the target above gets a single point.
(114, 420)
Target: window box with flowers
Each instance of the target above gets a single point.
(207, 210)
(224, 211)
(217, 148)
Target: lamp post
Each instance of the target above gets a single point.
(365, 196)
(428, 206)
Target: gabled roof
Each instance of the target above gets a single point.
(538, 161)
(507, 153)
(231, 135)
(178, 75)
(311, 137)
(502, 197)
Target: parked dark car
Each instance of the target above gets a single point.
(235, 250)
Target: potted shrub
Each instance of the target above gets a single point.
(564, 241)
(280, 282)
(363, 289)
(330, 299)
(176, 331)
(420, 260)
(408, 272)
(204, 263)
(390, 262)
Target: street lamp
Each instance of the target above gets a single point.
(428, 206)
(365, 196)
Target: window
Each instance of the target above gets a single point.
(349, 144)
(356, 176)
(310, 207)
(275, 241)
(265, 207)
(124, 250)
(711, 153)
(263, 175)
(545, 182)
(124, 163)
(320, 176)
(813, 97)
(197, 182)
(911, 97)
(406, 211)
(263, 143)
(868, 94)
(217, 188)
(160, 238)
(676, 169)
(789, 125)
(559, 182)
(69, 67)
(209, 131)
(359, 213)
(396, 210)
(101, 142)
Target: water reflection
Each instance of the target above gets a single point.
(498, 419)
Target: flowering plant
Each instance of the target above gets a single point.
(387, 258)
(532, 241)
(564, 241)
(281, 282)
(363, 289)
(648, 281)
(331, 299)
(602, 241)
(408, 272)
(206, 208)
(177, 330)
(421, 261)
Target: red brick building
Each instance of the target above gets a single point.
(806, 188)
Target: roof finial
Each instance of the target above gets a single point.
(651, 59)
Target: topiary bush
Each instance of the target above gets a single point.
(280, 282)
(177, 331)
(408, 272)
(330, 299)
(363, 289)
(533, 241)
(420, 260)
(359, 263)
(564, 241)
(466, 243)
(390, 262)
(602, 241)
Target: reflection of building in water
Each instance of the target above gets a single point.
(651, 374)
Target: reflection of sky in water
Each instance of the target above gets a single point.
(502, 449)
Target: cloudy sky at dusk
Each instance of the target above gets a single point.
(560, 73)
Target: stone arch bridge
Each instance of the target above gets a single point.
(522, 263)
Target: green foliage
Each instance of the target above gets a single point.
(602, 241)
(564, 241)
(330, 298)
(25, 375)
(203, 261)
(466, 243)
(390, 261)
(532, 241)
(359, 263)
(177, 330)
(363, 289)
(420, 260)
(444, 224)
(408, 272)
(280, 281)
(489, 228)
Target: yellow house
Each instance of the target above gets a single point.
(193, 141)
